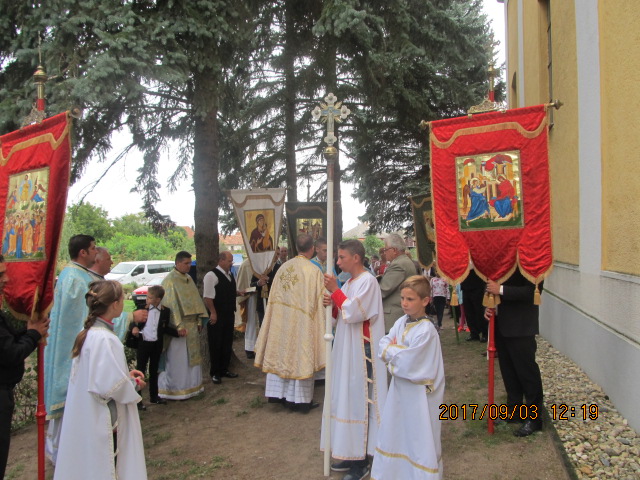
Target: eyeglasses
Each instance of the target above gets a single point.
(388, 248)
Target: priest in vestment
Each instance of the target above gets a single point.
(68, 315)
(248, 302)
(359, 379)
(290, 347)
(182, 375)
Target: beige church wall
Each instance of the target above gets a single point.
(563, 137)
(620, 104)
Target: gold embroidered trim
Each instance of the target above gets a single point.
(496, 127)
(173, 393)
(47, 137)
(279, 374)
(345, 420)
(405, 457)
(407, 328)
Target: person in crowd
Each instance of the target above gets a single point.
(220, 294)
(15, 347)
(359, 380)
(516, 328)
(399, 269)
(473, 288)
(182, 375)
(67, 318)
(248, 305)
(101, 433)
(409, 440)
(290, 347)
(102, 263)
(151, 334)
(283, 255)
(383, 262)
(440, 297)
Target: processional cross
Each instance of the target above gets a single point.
(330, 113)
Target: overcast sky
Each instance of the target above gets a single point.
(113, 192)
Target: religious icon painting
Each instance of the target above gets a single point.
(311, 226)
(25, 216)
(261, 225)
(489, 191)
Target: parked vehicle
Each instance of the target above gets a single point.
(139, 295)
(140, 273)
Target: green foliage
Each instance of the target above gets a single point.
(129, 247)
(372, 245)
(90, 220)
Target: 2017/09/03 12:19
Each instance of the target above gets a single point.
(506, 412)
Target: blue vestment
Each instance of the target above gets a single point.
(479, 205)
(68, 315)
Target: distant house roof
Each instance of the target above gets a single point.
(232, 239)
(189, 230)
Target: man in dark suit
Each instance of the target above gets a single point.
(516, 328)
(150, 335)
(14, 349)
(220, 298)
(473, 288)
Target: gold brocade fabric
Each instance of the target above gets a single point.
(183, 298)
(291, 340)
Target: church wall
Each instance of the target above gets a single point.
(620, 97)
(591, 303)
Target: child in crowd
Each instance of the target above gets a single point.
(440, 296)
(409, 439)
(150, 345)
(101, 429)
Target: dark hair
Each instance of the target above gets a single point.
(101, 294)
(1, 258)
(181, 255)
(77, 243)
(354, 247)
(304, 242)
(157, 291)
(321, 241)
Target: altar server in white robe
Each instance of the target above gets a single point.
(101, 437)
(409, 438)
(359, 380)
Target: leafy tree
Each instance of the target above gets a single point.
(91, 220)
(135, 224)
(372, 245)
(129, 247)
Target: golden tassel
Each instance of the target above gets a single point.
(454, 298)
(537, 300)
(488, 300)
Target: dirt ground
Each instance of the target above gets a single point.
(230, 432)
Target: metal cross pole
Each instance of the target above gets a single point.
(329, 113)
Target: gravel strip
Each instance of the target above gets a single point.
(602, 448)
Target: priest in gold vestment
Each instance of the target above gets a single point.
(290, 347)
(182, 375)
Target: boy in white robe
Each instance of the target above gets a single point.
(409, 439)
(359, 380)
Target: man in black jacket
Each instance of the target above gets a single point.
(14, 349)
(516, 328)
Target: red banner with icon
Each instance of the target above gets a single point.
(34, 179)
(491, 200)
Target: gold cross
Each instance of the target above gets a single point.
(329, 113)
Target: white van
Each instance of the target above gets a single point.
(139, 273)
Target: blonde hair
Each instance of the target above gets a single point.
(418, 284)
(101, 295)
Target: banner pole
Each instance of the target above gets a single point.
(492, 356)
(328, 336)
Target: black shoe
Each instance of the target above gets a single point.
(229, 374)
(307, 407)
(142, 407)
(357, 472)
(250, 355)
(158, 401)
(483, 339)
(527, 428)
(275, 400)
(216, 379)
(472, 338)
(342, 466)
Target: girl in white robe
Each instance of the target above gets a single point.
(409, 438)
(101, 437)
